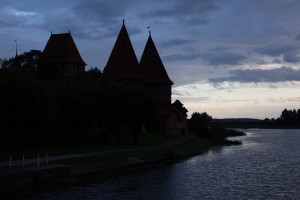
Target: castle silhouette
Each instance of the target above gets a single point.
(123, 66)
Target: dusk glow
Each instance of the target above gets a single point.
(229, 58)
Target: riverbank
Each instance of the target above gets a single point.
(67, 170)
(71, 169)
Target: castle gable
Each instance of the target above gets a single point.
(61, 48)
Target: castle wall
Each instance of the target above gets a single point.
(178, 122)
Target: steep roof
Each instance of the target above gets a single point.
(62, 48)
(122, 63)
(151, 65)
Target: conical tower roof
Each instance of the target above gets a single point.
(122, 63)
(151, 65)
(62, 48)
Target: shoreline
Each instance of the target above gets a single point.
(72, 171)
(32, 178)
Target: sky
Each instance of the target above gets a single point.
(229, 58)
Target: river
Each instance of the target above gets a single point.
(266, 166)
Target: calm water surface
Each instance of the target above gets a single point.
(266, 166)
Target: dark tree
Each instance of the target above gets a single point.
(26, 105)
(199, 123)
(27, 60)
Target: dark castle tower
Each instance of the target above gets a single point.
(157, 80)
(122, 64)
(62, 54)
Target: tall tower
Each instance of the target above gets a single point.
(157, 80)
(122, 64)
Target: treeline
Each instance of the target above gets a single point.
(61, 109)
(199, 123)
(287, 118)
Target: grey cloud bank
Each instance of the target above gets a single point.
(282, 74)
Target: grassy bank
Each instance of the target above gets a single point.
(214, 136)
(217, 136)
(31, 151)
(196, 144)
(79, 170)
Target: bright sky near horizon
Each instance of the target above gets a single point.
(230, 58)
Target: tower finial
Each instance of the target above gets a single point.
(123, 21)
(149, 30)
(16, 47)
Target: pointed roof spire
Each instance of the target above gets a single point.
(151, 65)
(122, 63)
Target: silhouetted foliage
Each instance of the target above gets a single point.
(199, 123)
(218, 136)
(65, 108)
(27, 60)
(287, 118)
(25, 103)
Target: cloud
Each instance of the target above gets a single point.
(215, 57)
(175, 42)
(191, 12)
(276, 50)
(181, 57)
(180, 93)
(223, 58)
(282, 74)
(297, 37)
(292, 57)
(198, 99)
(3, 24)
(290, 53)
(281, 99)
(235, 100)
(89, 19)
(105, 12)
(104, 17)
(294, 99)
